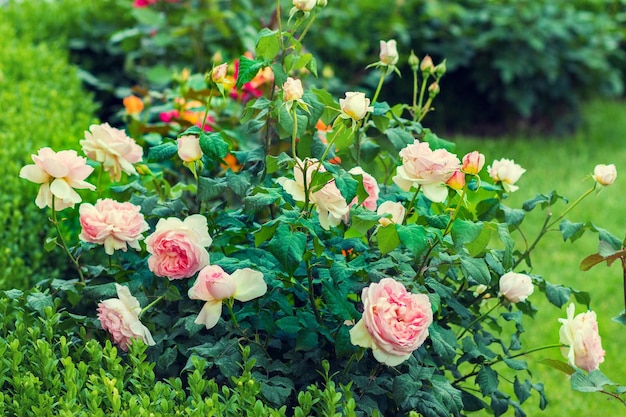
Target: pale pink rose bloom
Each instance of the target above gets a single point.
(177, 248)
(580, 333)
(292, 89)
(396, 210)
(355, 106)
(456, 181)
(304, 5)
(214, 285)
(428, 169)
(388, 52)
(112, 224)
(330, 204)
(218, 74)
(113, 148)
(120, 317)
(516, 287)
(506, 171)
(371, 186)
(59, 173)
(473, 162)
(605, 174)
(189, 148)
(395, 322)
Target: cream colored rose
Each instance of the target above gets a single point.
(304, 5)
(388, 52)
(580, 334)
(605, 174)
(189, 148)
(355, 106)
(394, 208)
(507, 172)
(516, 287)
(292, 89)
(473, 163)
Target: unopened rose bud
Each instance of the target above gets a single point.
(355, 105)
(189, 148)
(473, 162)
(304, 5)
(388, 52)
(605, 174)
(219, 73)
(322, 3)
(292, 89)
(427, 65)
(440, 69)
(456, 181)
(414, 61)
(433, 89)
(516, 287)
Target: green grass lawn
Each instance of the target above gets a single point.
(564, 165)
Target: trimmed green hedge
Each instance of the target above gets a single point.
(43, 104)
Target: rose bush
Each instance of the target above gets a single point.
(351, 236)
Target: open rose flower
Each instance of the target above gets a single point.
(120, 317)
(329, 203)
(394, 208)
(604, 174)
(507, 172)
(112, 224)
(395, 322)
(59, 173)
(516, 287)
(214, 285)
(428, 169)
(177, 247)
(355, 106)
(113, 148)
(580, 334)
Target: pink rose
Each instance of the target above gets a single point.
(388, 52)
(395, 322)
(214, 285)
(58, 173)
(355, 106)
(113, 148)
(371, 186)
(177, 247)
(330, 204)
(292, 89)
(112, 224)
(580, 333)
(516, 287)
(507, 172)
(189, 148)
(473, 162)
(218, 75)
(428, 169)
(396, 210)
(604, 174)
(120, 317)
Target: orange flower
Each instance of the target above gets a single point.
(133, 105)
(231, 162)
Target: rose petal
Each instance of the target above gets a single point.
(250, 284)
(359, 335)
(210, 314)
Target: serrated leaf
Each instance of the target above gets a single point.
(209, 188)
(464, 232)
(571, 231)
(487, 380)
(288, 247)
(522, 390)
(38, 301)
(261, 200)
(583, 383)
(289, 324)
(162, 152)
(267, 45)
(248, 69)
(399, 137)
(414, 238)
(387, 238)
(213, 146)
(557, 294)
(516, 364)
(239, 183)
(50, 244)
(444, 342)
(476, 269)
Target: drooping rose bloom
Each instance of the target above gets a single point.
(355, 106)
(388, 52)
(580, 333)
(516, 287)
(120, 317)
(189, 148)
(604, 174)
(421, 166)
(506, 171)
(330, 204)
(177, 248)
(59, 173)
(395, 322)
(112, 224)
(214, 285)
(473, 162)
(113, 148)
(394, 208)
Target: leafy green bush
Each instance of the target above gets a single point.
(42, 104)
(49, 366)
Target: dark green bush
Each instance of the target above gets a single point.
(43, 104)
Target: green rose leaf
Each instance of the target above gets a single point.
(288, 247)
(162, 152)
(387, 238)
(213, 146)
(476, 269)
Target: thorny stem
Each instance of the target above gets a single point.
(63, 244)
